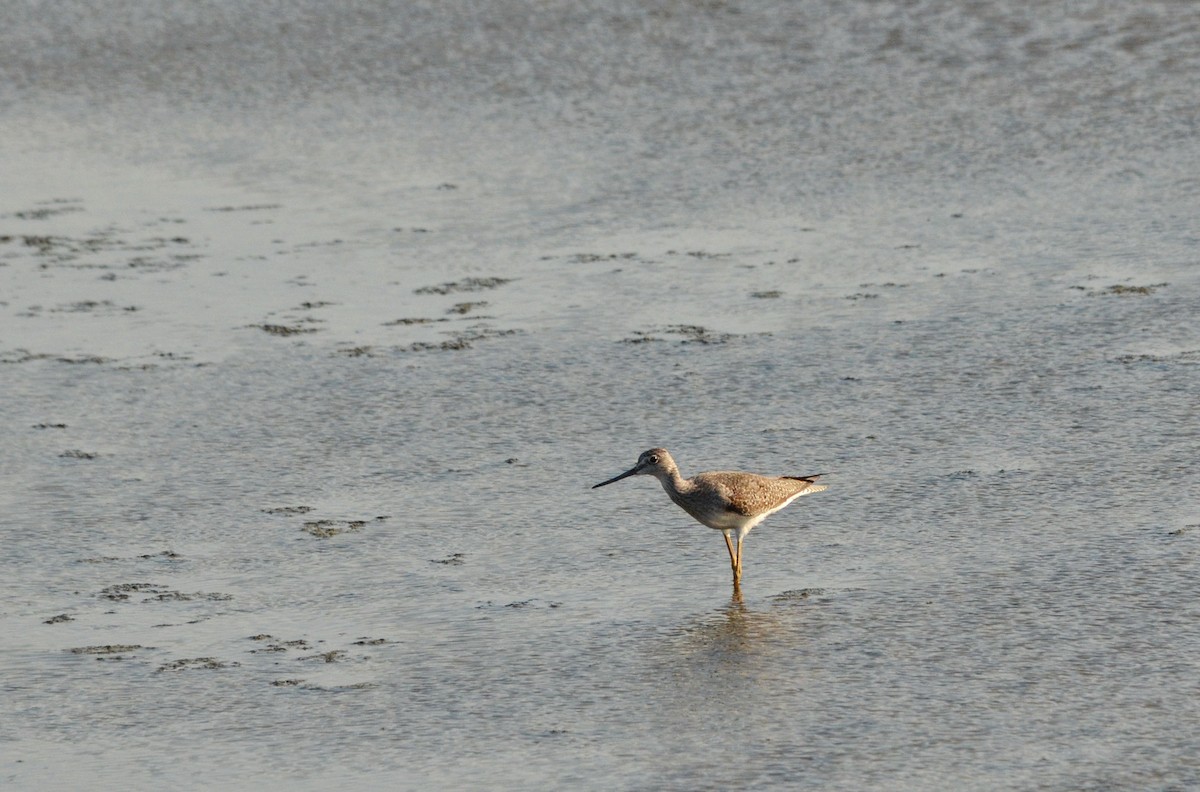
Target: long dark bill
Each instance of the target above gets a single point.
(626, 474)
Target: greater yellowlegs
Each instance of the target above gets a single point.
(726, 501)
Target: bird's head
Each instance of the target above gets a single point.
(655, 462)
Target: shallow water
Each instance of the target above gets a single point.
(316, 329)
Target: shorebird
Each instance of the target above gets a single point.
(730, 502)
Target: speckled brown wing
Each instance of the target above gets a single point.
(748, 494)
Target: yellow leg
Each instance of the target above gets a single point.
(734, 562)
(737, 574)
(729, 545)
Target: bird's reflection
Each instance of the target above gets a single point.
(734, 628)
(742, 629)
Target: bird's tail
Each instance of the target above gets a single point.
(812, 481)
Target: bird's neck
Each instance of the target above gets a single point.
(673, 483)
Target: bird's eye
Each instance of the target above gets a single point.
(654, 459)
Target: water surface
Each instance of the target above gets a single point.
(317, 324)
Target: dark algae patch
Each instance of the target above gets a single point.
(122, 591)
(797, 595)
(1122, 290)
(685, 333)
(331, 656)
(466, 307)
(592, 258)
(179, 596)
(642, 337)
(358, 351)
(169, 555)
(196, 663)
(285, 330)
(518, 604)
(1134, 291)
(46, 209)
(465, 285)
(149, 254)
(245, 208)
(107, 649)
(459, 341)
(696, 334)
(92, 306)
(413, 321)
(289, 510)
(155, 592)
(324, 529)
(1190, 356)
(272, 644)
